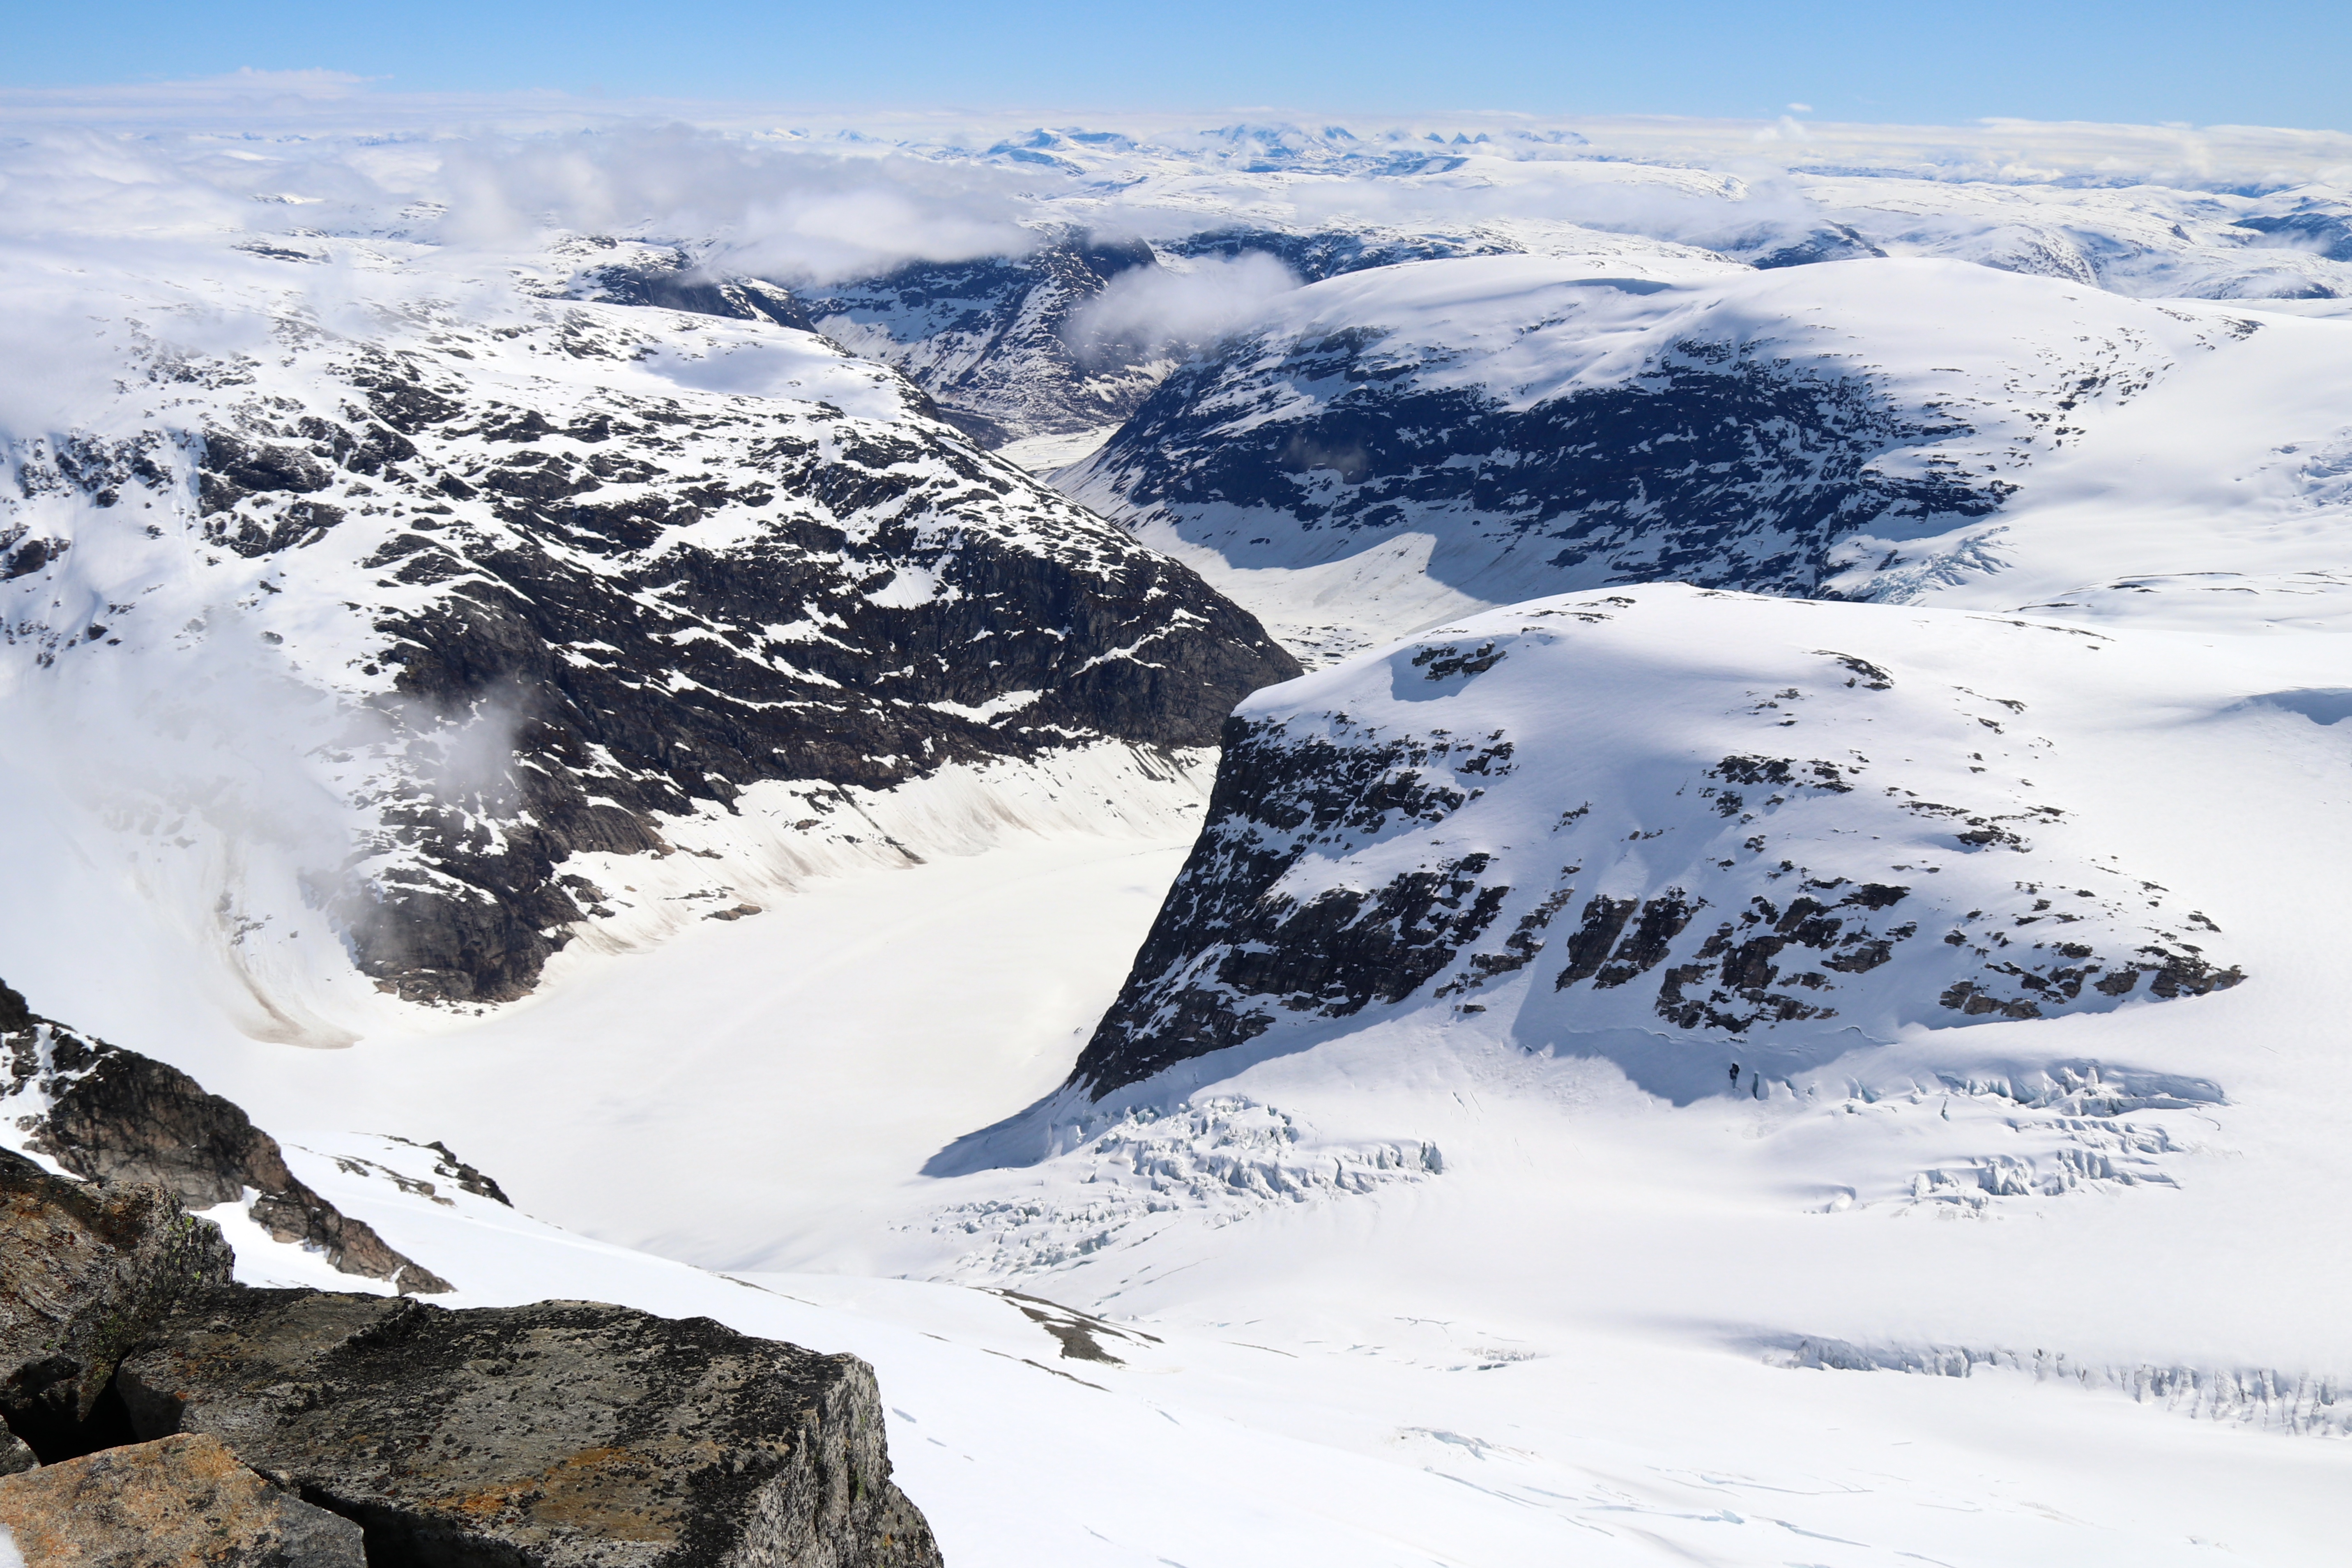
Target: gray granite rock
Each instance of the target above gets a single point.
(109, 1114)
(86, 1271)
(181, 1502)
(563, 1435)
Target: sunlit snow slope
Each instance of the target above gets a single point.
(1403, 444)
(2046, 1280)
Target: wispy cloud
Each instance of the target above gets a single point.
(1152, 308)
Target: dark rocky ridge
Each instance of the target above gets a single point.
(1224, 937)
(565, 1433)
(86, 1272)
(665, 598)
(1717, 464)
(1292, 908)
(111, 1115)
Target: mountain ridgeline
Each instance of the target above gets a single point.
(578, 592)
(1572, 814)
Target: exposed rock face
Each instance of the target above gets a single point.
(1328, 253)
(1769, 248)
(551, 583)
(991, 340)
(447, 1165)
(1507, 427)
(111, 1115)
(565, 1433)
(180, 1502)
(1567, 813)
(1716, 462)
(86, 1272)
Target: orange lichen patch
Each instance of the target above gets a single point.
(602, 1491)
(180, 1502)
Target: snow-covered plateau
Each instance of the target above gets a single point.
(713, 718)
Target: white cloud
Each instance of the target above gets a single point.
(1159, 308)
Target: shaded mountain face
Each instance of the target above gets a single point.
(1751, 828)
(993, 341)
(537, 579)
(1481, 430)
(990, 342)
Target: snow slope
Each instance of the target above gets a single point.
(1297, 1423)
(1514, 1273)
(1416, 1294)
(1569, 1343)
(1407, 442)
(1382, 897)
(1518, 1271)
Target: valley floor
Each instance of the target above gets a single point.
(1479, 1365)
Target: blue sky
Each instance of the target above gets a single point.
(2271, 62)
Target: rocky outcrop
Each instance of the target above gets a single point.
(1720, 463)
(1230, 930)
(546, 614)
(86, 1270)
(561, 1433)
(152, 1390)
(1563, 813)
(107, 1114)
(993, 341)
(179, 1502)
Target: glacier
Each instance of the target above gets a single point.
(1770, 995)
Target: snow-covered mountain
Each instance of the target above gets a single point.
(537, 588)
(1771, 998)
(1402, 444)
(1721, 826)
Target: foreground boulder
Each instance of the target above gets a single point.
(86, 1272)
(560, 1434)
(112, 1115)
(181, 1503)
